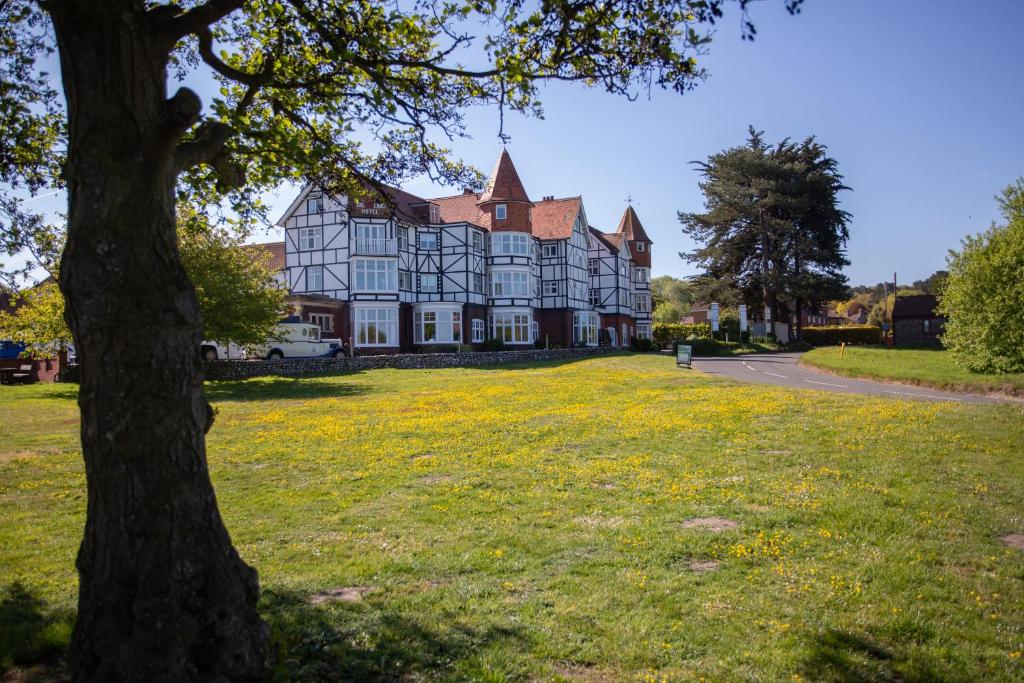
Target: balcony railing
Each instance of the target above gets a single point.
(376, 247)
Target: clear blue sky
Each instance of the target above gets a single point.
(920, 102)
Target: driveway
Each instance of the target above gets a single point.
(783, 370)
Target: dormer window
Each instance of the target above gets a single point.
(640, 246)
(435, 213)
(500, 212)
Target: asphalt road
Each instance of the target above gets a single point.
(782, 369)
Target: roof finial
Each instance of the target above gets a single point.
(629, 199)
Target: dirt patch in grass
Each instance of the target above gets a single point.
(343, 594)
(715, 524)
(1014, 541)
(432, 479)
(583, 672)
(703, 566)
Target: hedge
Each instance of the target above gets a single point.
(665, 333)
(849, 334)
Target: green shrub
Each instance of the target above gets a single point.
(666, 333)
(849, 334)
(642, 345)
(492, 345)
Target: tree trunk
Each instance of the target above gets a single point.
(163, 596)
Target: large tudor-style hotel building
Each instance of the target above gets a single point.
(467, 268)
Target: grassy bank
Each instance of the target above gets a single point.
(926, 367)
(611, 519)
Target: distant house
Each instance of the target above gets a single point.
(916, 321)
(699, 313)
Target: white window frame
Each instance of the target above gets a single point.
(435, 213)
(584, 328)
(479, 330)
(500, 212)
(403, 238)
(445, 325)
(477, 240)
(595, 296)
(510, 244)
(420, 234)
(370, 322)
(640, 246)
(509, 284)
(549, 250)
(511, 326)
(550, 287)
(310, 239)
(428, 277)
(314, 278)
(315, 204)
(594, 266)
(375, 275)
(405, 280)
(477, 283)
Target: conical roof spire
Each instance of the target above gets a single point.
(630, 226)
(504, 184)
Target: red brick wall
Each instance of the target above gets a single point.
(556, 324)
(641, 258)
(617, 320)
(44, 369)
(517, 217)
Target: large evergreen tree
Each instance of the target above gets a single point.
(772, 224)
(163, 596)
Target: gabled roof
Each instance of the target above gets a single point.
(273, 251)
(602, 237)
(553, 219)
(616, 239)
(630, 226)
(408, 207)
(505, 183)
(915, 306)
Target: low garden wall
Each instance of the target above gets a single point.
(297, 367)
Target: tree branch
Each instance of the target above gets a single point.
(176, 26)
(204, 148)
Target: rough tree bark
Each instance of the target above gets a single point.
(163, 595)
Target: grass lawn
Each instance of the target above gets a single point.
(927, 367)
(537, 524)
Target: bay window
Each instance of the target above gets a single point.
(374, 275)
(511, 327)
(437, 326)
(510, 244)
(376, 326)
(510, 284)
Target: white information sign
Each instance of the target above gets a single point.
(714, 317)
(743, 317)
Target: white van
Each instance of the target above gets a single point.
(211, 350)
(295, 340)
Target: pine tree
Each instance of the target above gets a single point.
(772, 224)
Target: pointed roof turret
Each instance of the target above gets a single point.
(504, 184)
(630, 226)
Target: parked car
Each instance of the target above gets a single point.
(211, 350)
(296, 340)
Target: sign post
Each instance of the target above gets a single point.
(684, 354)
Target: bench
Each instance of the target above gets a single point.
(24, 375)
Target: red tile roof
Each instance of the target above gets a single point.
(553, 218)
(505, 183)
(630, 226)
(273, 251)
(463, 208)
(615, 239)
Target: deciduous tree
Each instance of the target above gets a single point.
(163, 596)
(983, 295)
